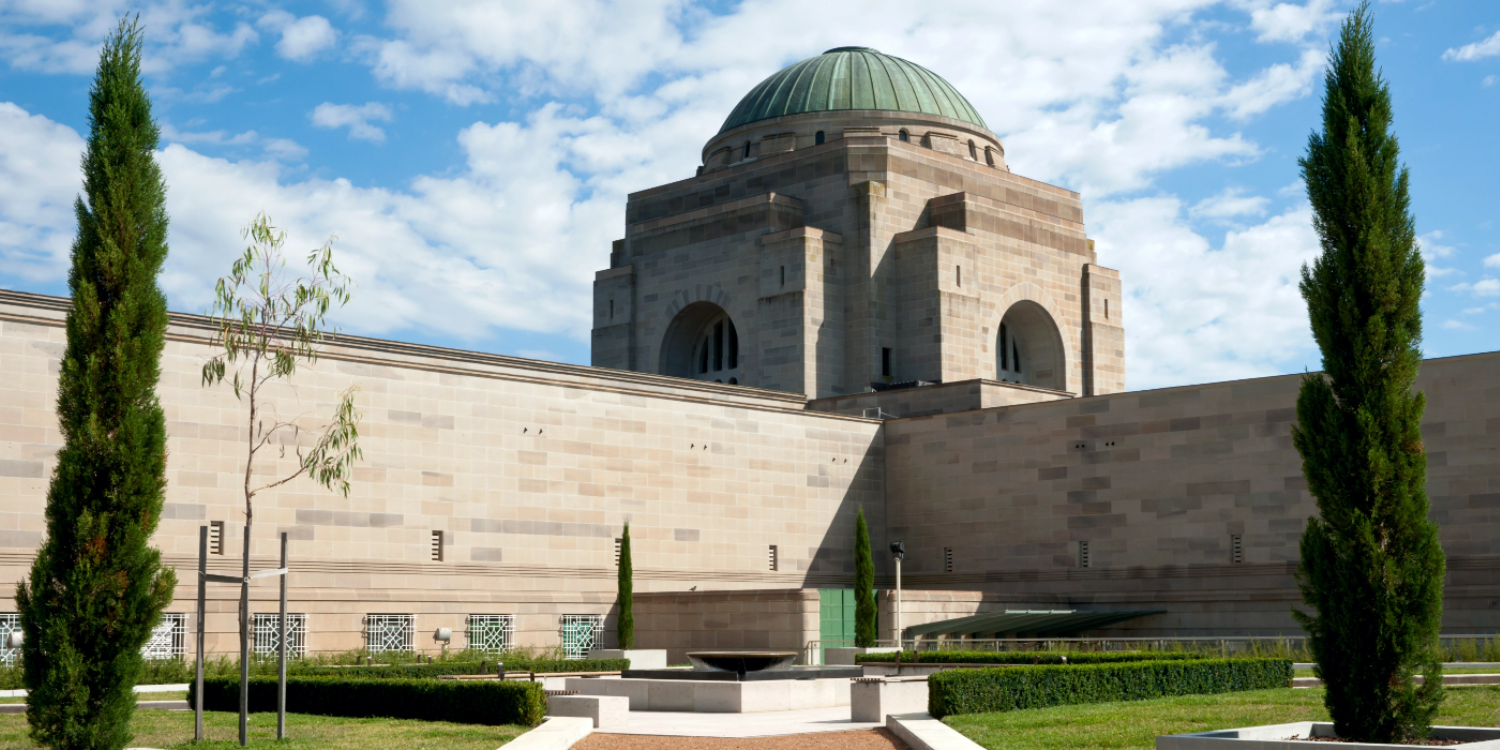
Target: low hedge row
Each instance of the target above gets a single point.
(1021, 657)
(492, 702)
(438, 669)
(973, 691)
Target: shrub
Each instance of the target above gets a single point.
(973, 691)
(438, 669)
(490, 702)
(1019, 657)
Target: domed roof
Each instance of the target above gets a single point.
(853, 78)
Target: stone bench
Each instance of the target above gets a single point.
(871, 699)
(604, 710)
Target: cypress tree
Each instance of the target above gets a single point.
(1372, 569)
(97, 588)
(625, 625)
(864, 585)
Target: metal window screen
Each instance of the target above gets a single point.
(266, 640)
(390, 633)
(8, 621)
(580, 633)
(168, 639)
(492, 633)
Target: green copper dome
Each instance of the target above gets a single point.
(852, 78)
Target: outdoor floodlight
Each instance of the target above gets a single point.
(14, 639)
(443, 635)
(899, 550)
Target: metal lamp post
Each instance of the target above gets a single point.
(899, 550)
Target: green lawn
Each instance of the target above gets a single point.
(174, 729)
(1136, 724)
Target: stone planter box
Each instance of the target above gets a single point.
(1274, 737)
(874, 698)
(835, 657)
(640, 658)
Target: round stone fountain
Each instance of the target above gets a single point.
(742, 662)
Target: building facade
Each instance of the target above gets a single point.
(848, 307)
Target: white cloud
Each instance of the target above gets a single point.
(301, 38)
(1228, 204)
(1278, 84)
(1198, 313)
(64, 37)
(1476, 51)
(1289, 22)
(1489, 80)
(1458, 325)
(1432, 247)
(356, 118)
(39, 179)
(1481, 309)
(280, 148)
(1493, 261)
(1486, 287)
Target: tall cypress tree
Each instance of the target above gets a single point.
(97, 588)
(864, 585)
(1372, 568)
(625, 625)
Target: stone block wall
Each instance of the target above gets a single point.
(766, 619)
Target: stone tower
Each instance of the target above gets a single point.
(854, 223)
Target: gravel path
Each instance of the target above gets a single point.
(867, 739)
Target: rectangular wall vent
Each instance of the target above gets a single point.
(215, 537)
(1236, 549)
(771, 557)
(947, 559)
(437, 546)
(618, 542)
(1083, 554)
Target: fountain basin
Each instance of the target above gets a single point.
(742, 662)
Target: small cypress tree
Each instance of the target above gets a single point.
(625, 625)
(864, 585)
(97, 588)
(1372, 568)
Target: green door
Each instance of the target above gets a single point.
(835, 619)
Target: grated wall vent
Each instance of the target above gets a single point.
(1083, 554)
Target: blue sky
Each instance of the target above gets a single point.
(473, 158)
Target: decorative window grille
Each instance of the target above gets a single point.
(579, 634)
(772, 555)
(168, 639)
(437, 546)
(1236, 549)
(492, 633)
(9, 621)
(1083, 554)
(215, 537)
(947, 559)
(390, 633)
(266, 636)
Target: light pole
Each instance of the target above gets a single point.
(899, 550)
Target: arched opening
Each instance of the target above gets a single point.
(1029, 348)
(703, 344)
(904, 136)
(989, 156)
(818, 138)
(973, 151)
(746, 154)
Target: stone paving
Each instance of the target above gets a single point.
(760, 724)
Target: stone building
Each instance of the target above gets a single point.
(853, 304)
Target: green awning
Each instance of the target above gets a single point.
(1026, 623)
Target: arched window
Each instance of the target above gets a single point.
(904, 136)
(973, 152)
(818, 138)
(702, 343)
(989, 156)
(1029, 348)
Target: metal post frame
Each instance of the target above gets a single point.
(245, 645)
(898, 604)
(281, 651)
(198, 652)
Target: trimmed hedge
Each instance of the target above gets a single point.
(438, 669)
(974, 691)
(1022, 657)
(492, 702)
